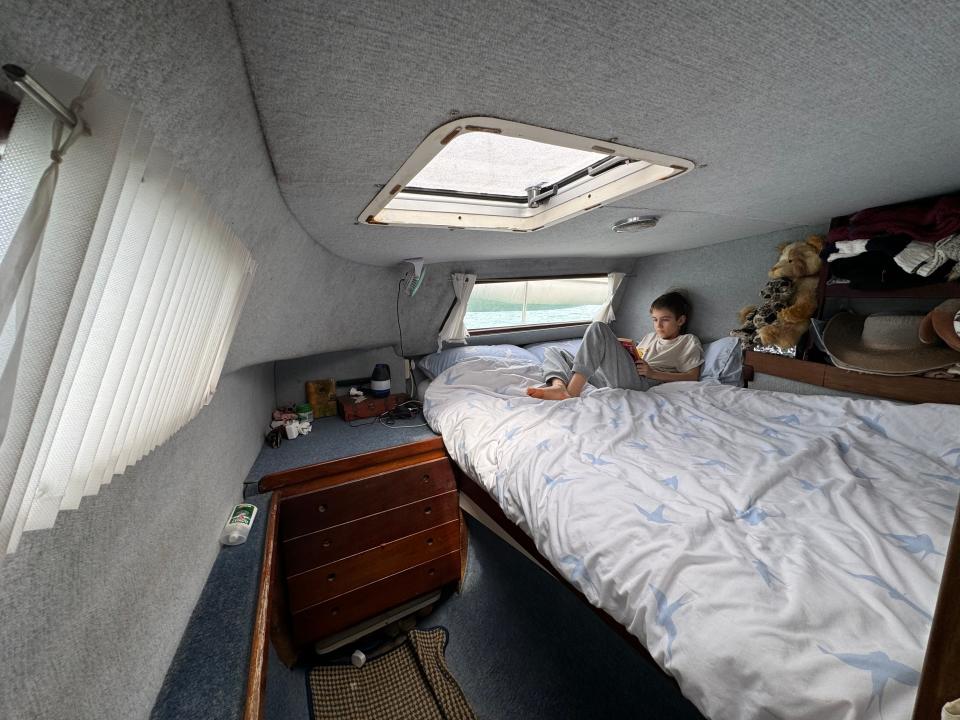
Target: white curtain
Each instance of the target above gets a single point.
(605, 313)
(454, 330)
(138, 291)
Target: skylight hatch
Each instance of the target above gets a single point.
(491, 174)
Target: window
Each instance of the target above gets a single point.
(516, 303)
(489, 174)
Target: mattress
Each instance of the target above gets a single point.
(778, 554)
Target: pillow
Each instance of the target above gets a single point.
(538, 349)
(723, 361)
(435, 363)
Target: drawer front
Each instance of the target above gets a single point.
(356, 571)
(331, 506)
(325, 546)
(341, 612)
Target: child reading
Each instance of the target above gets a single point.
(666, 355)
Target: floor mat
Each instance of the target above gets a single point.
(410, 682)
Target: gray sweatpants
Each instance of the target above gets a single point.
(601, 358)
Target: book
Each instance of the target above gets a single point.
(631, 347)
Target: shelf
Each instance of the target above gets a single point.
(909, 388)
(937, 290)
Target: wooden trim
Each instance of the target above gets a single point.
(259, 648)
(486, 503)
(286, 478)
(907, 388)
(939, 677)
(933, 291)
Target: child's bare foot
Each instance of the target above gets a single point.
(556, 391)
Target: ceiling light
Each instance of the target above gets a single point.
(636, 223)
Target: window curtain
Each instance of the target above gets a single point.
(139, 287)
(605, 313)
(454, 330)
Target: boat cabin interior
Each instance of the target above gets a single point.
(519, 360)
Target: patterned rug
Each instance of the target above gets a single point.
(410, 682)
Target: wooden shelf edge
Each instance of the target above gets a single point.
(908, 388)
(284, 478)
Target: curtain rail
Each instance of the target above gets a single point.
(22, 79)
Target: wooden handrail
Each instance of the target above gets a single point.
(259, 648)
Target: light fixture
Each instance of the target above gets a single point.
(636, 223)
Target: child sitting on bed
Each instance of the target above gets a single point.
(667, 354)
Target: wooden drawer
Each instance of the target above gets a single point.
(325, 546)
(341, 612)
(356, 571)
(302, 514)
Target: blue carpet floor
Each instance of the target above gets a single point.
(523, 646)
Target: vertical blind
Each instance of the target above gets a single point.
(138, 289)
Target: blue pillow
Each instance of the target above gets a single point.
(539, 348)
(435, 363)
(723, 361)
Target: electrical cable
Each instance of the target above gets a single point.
(399, 326)
(404, 411)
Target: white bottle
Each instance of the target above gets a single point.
(239, 524)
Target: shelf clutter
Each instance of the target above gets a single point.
(909, 254)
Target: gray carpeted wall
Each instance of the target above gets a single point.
(719, 280)
(92, 611)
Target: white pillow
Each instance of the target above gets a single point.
(723, 361)
(539, 348)
(435, 363)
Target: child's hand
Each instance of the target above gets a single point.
(642, 368)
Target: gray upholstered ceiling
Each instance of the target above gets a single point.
(794, 111)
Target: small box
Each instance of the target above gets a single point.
(322, 396)
(368, 406)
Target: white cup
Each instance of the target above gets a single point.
(293, 429)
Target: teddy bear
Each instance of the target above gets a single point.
(775, 296)
(790, 298)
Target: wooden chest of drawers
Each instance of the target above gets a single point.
(366, 537)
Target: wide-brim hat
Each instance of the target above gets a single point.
(883, 345)
(942, 323)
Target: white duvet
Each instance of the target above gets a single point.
(778, 554)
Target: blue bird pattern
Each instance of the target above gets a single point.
(656, 516)
(882, 669)
(811, 486)
(753, 514)
(872, 425)
(921, 544)
(892, 592)
(768, 576)
(596, 460)
(664, 617)
(672, 482)
(943, 478)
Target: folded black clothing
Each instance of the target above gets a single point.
(877, 270)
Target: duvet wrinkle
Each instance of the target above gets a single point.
(781, 523)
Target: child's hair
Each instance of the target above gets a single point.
(675, 302)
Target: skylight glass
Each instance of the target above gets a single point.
(484, 173)
(480, 162)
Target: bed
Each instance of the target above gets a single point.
(779, 555)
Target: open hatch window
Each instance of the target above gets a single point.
(489, 174)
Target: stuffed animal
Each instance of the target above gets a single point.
(790, 298)
(776, 296)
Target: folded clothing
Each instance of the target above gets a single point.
(926, 220)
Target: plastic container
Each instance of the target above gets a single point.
(238, 526)
(304, 412)
(380, 380)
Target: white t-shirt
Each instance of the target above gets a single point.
(677, 355)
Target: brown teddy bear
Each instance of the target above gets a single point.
(791, 294)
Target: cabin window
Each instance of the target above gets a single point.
(502, 304)
(488, 174)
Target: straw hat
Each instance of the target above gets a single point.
(942, 323)
(883, 345)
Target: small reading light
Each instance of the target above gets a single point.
(636, 224)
